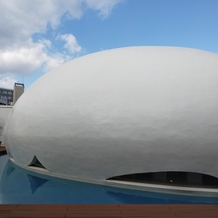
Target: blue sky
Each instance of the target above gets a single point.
(39, 35)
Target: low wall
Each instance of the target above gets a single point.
(4, 112)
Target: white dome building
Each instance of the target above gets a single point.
(150, 110)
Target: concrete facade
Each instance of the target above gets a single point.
(122, 111)
(4, 113)
(18, 91)
(6, 96)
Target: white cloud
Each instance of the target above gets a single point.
(7, 82)
(103, 7)
(21, 19)
(24, 60)
(71, 43)
(54, 61)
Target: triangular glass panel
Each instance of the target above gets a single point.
(36, 163)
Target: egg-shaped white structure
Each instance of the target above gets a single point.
(121, 111)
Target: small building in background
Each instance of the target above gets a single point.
(6, 96)
(10, 96)
(18, 91)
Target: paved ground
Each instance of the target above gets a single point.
(109, 211)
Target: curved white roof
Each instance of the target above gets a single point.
(121, 111)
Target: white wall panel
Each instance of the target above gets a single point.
(4, 113)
